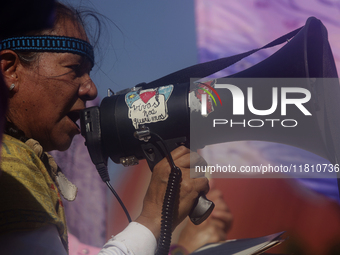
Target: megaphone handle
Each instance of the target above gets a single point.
(202, 207)
(201, 210)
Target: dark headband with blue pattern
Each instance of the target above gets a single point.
(49, 43)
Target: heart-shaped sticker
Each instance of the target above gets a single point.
(147, 95)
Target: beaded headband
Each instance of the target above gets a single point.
(49, 43)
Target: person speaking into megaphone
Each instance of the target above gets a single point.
(48, 75)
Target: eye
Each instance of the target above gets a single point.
(80, 67)
(76, 69)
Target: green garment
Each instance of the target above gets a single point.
(29, 199)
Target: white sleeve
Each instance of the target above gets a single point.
(134, 239)
(42, 241)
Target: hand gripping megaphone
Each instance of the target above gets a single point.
(147, 120)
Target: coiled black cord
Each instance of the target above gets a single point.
(167, 211)
(168, 203)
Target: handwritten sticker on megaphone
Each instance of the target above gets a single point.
(148, 106)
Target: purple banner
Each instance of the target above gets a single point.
(226, 28)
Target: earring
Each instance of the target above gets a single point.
(11, 87)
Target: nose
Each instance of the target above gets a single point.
(88, 90)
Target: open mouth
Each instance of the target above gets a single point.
(74, 116)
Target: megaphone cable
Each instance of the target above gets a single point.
(168, 202)
(143, 133)
(119, 200)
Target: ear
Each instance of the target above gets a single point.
(9, 66)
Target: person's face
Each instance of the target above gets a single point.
(52, 92)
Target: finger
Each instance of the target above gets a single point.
(176, 153)
(198, 186)
(179, 152)
(183, 156)
(197, 160)
(214, 194)
(217, 223)
(224, 220)
(222, 215)
(221, 206)
(202, 184)
(190, 160)
(217, 197)
(212, 185)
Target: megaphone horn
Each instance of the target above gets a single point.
(308, 55)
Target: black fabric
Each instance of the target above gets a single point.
(20, 16)
(205, 69)
(14, 131)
